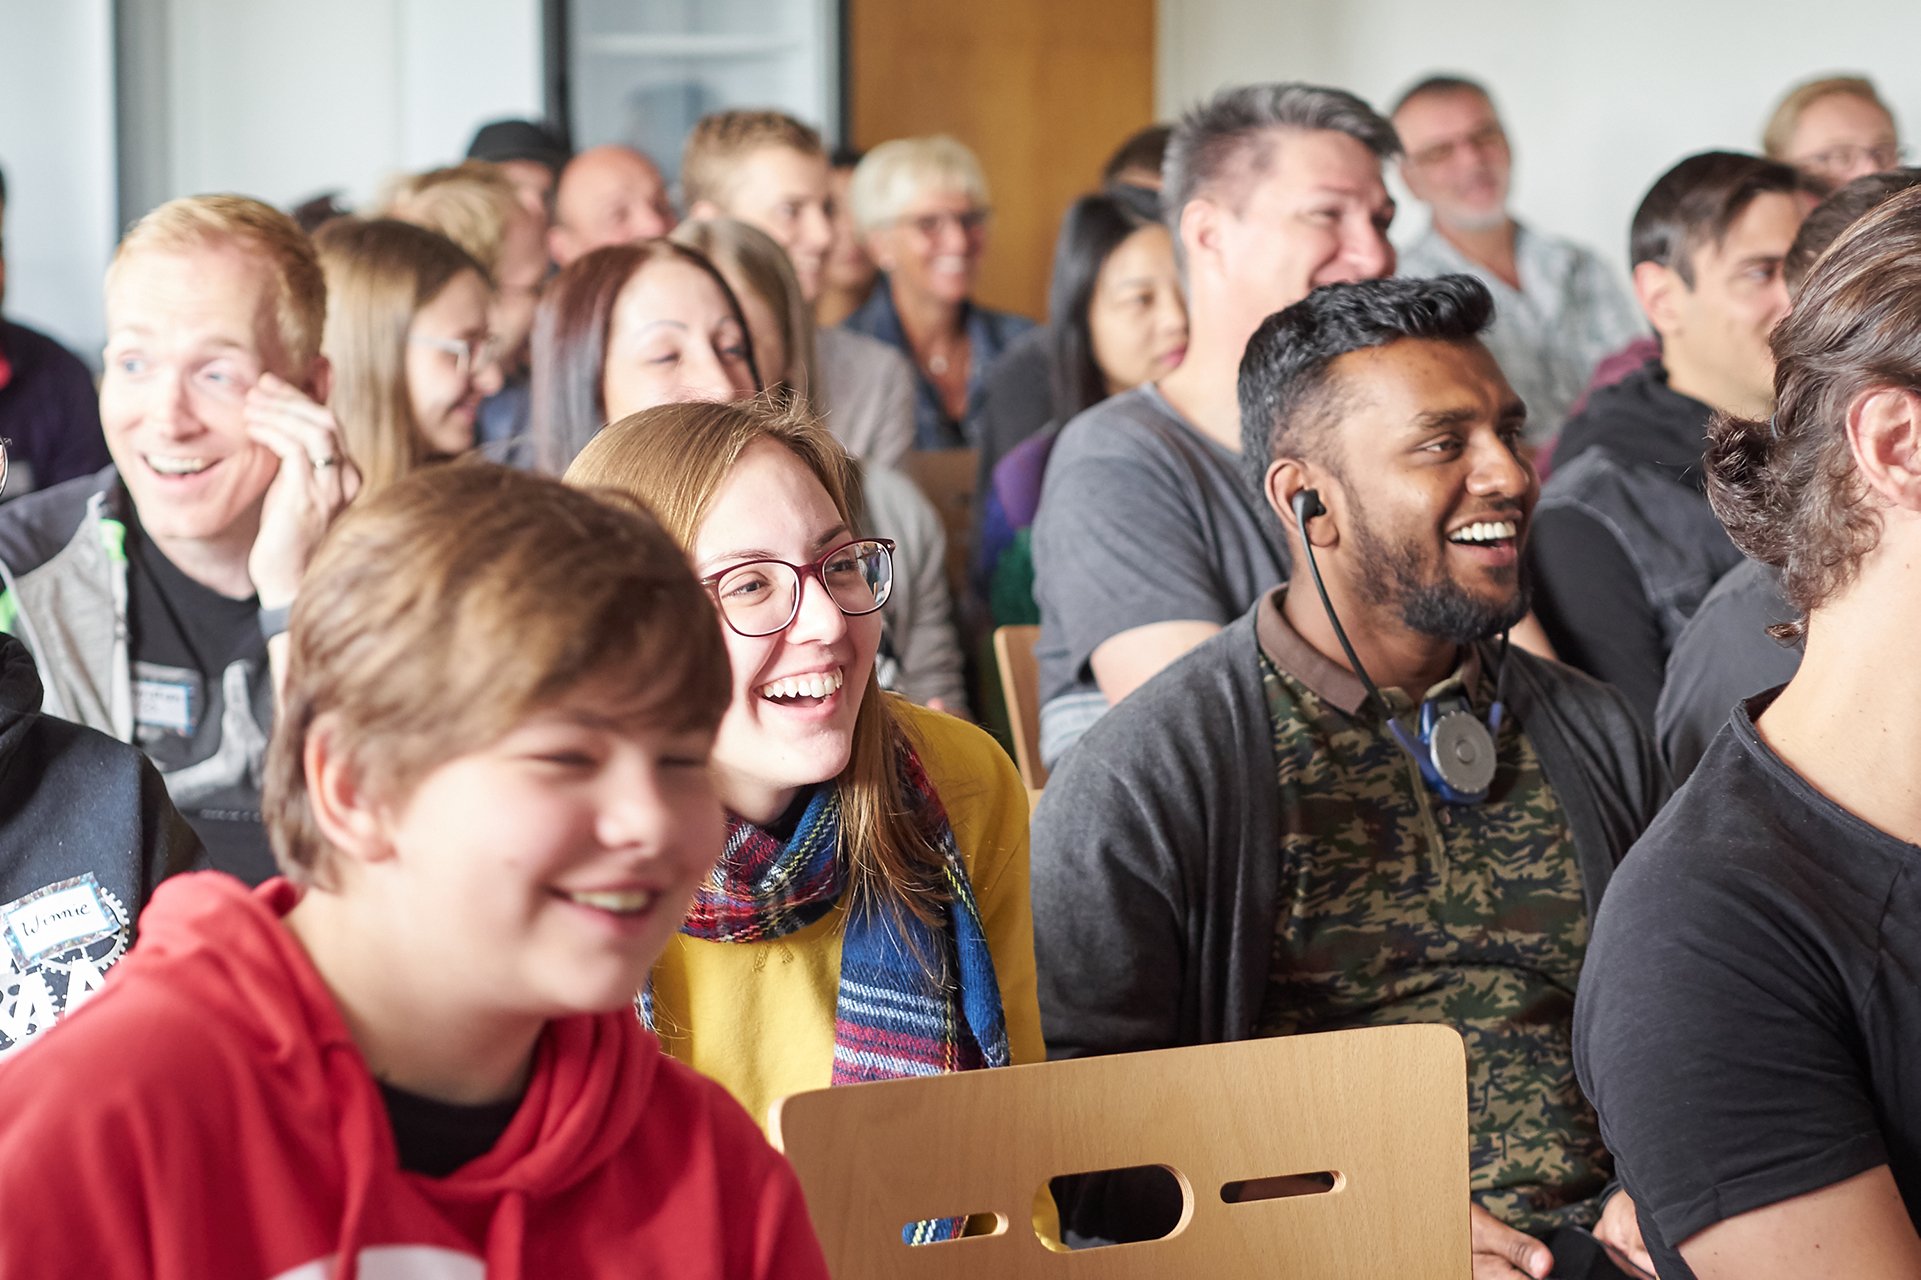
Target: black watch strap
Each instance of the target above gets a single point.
(273, 622)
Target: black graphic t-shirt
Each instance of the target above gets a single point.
(203, 703)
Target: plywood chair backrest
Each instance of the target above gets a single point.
(1385, 1109)
(1021, 688)
(949, 477)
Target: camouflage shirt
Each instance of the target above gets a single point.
(1396, 907)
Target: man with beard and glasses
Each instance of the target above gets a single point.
(1250, 845)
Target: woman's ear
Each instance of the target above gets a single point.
(349, 814)
(1884, 434)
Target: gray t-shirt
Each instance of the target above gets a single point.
(1142, 519)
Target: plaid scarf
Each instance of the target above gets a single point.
(915, 999)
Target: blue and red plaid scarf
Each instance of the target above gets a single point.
(915, 999)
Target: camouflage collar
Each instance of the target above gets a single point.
(1333, 683)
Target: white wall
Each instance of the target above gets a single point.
(285, 98)
(1599, 98)
(56, 145)
(279, 99)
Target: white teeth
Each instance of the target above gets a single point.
(619, 901)
(1485, 531)
(179, 466)
(818, 685)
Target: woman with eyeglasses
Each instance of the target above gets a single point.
(921, 204)
(920, 648)
(869, 918)
(408, 340)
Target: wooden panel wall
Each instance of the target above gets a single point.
(1042, 90)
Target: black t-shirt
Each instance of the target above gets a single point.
(203, 703)
(1749, 1020)
(435, 1138)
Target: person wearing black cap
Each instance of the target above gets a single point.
(531, 153)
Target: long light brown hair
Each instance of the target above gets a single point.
(674, 458)
(380, 273)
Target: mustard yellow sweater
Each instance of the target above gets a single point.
(759, 1016)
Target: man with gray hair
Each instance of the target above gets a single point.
(1147, 539)
(1558, 309)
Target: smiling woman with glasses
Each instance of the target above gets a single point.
(407, 336)
(921, 205)
(870, 917)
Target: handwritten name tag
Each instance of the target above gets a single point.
(58, 917)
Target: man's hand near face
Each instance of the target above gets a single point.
(316, 480)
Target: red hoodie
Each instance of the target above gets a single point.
(207, 1115)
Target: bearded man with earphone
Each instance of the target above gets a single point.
(1357, 806)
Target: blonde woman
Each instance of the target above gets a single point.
(921, 205)
(870, 917)
(408, 341)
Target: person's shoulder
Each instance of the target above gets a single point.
(1133, 425)
(958, 755)
(27, 346)
(1590, 700)
(36, 526)
(1006, 326)
(1182, 712)
(860, 353)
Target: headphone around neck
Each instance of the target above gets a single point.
(1454, 751)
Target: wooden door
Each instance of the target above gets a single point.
(1042, 90)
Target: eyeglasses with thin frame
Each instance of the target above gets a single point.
(762, 597)
(1846, 156)
(928, 226)
(469, 356)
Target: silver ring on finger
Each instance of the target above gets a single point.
(321, 464)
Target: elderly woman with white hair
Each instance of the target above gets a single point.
(921, 204)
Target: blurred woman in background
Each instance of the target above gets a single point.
(921, 204)
(1118, 319)
(407, 336)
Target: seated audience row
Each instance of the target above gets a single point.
(1363, 798)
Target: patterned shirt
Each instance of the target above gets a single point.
(1397, 907)
(1548, 335)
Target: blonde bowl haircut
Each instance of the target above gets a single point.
(718, 143)
(750, 260)
(443, 613)
(380, 273)
(1787, 115)
(886, 181)
(216, 221)
(674, 458)
(471, 203)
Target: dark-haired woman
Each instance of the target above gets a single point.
(628, 326)
(1749, 1019)
(1117, 320)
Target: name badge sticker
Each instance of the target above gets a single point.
(168, 703)
(59, 917)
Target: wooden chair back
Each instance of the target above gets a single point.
(1021, 688)
(949, 478)
(1383, 1110)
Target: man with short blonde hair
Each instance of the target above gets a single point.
(770, 171)
(1834, 130)
(149, 594)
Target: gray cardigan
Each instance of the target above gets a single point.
(1154, 848)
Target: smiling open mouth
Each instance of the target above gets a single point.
(1485, 533)
(803, 690)
(620, 902)
(178, 466)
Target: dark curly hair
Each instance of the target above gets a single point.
(1786, 487)
(1284, 389)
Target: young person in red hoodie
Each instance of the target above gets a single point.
(416, 1054)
